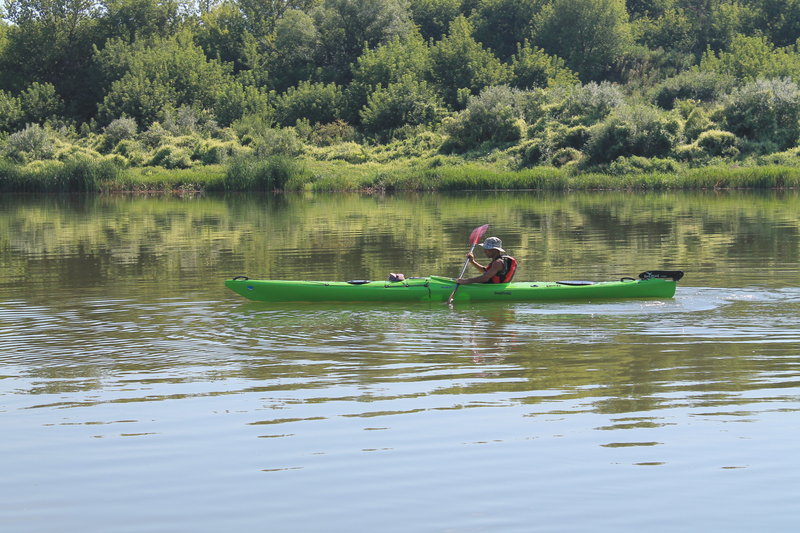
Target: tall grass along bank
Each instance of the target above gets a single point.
(278, 173)
(485, 177)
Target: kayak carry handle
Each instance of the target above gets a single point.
(236, 278)
(674, 275)
(627, 278)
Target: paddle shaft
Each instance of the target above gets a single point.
(474, 237)
(466, 264)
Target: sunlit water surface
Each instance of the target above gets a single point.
(137, 394)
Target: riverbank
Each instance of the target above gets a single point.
(472, 176)
(281, 173)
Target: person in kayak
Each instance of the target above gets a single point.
(501, 266)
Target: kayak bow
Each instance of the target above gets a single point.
(651, 284)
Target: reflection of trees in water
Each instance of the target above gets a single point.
(346, 236)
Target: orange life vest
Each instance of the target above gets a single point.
(506, 273)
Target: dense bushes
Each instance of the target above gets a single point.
(36, 104)
(703, 86)
(590, 103)
(405, 103)
(765, 111)
(319, 103)
(493, 116)
(633, 131)
(249, 173)
(718, 143)
(29, 144)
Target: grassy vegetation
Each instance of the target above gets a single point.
(485, 177)
(257, 156)
(279, 173)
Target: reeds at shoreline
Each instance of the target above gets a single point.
(284, 174)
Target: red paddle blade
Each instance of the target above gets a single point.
(477, 234)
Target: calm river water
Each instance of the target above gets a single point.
(137, 394)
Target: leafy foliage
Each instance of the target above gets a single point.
(501, 24)
(695, 84)
(406, 102)
(121, 129)
(320, 103)
(765, 111)
(388, 63)
(433, 17)
(590, 103)
(749, 58)
(31, 143)
(153, 74)
(598, 34)
(10, 111)
(633, 131)
(458, 61)
(493, 116)
(346, 26)
(533, 67)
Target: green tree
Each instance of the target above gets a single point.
(40, 103)
(647, 8)
(532, 67)
(406, 55)
(151, 74)
(591, 35)
(433, 17)
(222, 33)
(234, 101)
(50, 41)
(692, 84)
(674, 31)
(779, 20)
(3, 35)
(132, 19)
(296, 39)
(263, 15)
(408, 101)
(320, 103)
(389, 62)
(749, 58)
(502, 24)
(10, 112)
(633, 131)
(347, 26)
(460, 62)
(139, 96)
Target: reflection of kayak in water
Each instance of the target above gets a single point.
(652, 284)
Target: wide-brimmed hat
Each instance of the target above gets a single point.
(493, 243)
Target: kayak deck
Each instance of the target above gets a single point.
(438, 289)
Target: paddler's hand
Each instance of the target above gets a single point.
(471, 256)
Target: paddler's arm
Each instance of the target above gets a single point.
(495, 267)
(474, 263)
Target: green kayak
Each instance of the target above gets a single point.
(651, 284)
